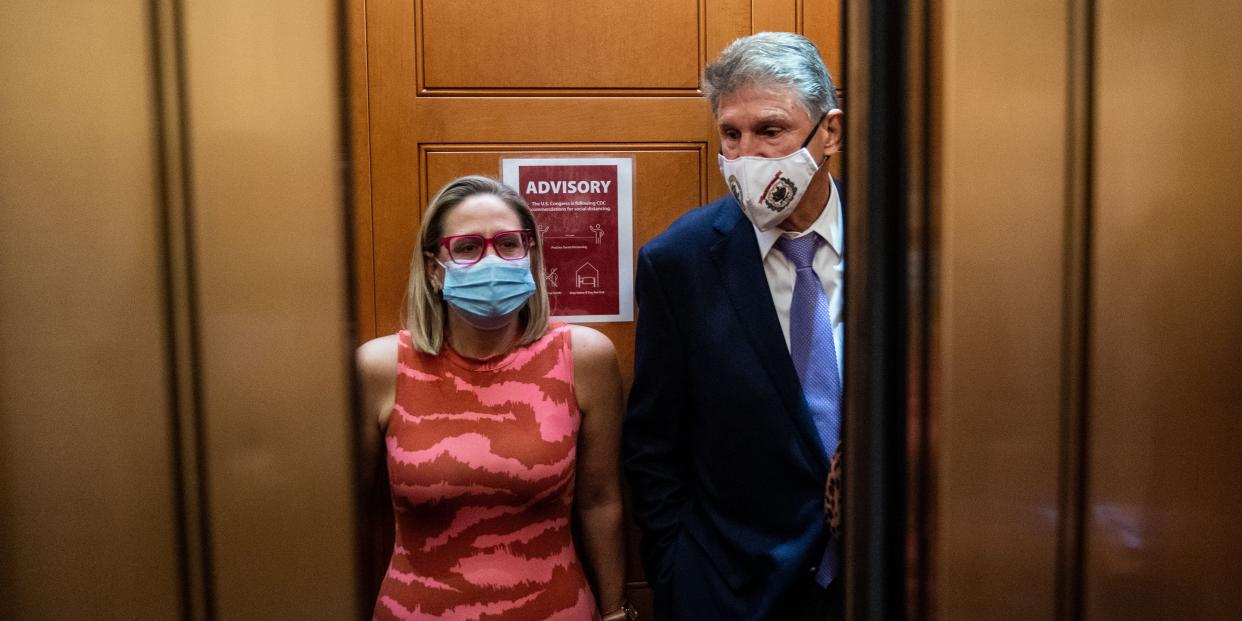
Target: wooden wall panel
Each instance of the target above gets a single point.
(1165, 458)
(359, 102)
(821, 23)
(775, 16)
(401, 114)
(88, 527)
(1000, 166)
(550, 44)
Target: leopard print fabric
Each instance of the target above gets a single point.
(832, 496)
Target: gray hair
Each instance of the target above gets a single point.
(772, 59)
(424, 313)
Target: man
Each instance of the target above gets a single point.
(735, 409)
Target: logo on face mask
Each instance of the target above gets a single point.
(779, 194)
(735, 188)
(768, 188)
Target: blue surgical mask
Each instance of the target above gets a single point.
(487, 293)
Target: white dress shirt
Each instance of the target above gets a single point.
(829, 264)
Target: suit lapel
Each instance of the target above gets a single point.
(736, 256)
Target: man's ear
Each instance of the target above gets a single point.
(834, 131)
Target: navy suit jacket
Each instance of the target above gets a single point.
(723, 460)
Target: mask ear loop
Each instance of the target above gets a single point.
(437, 286)
(814, 129)
(823, 162)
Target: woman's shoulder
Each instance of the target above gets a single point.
(590, 345)
(376, 361)
(377, 358)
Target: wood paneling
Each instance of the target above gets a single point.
(402, 121)
(471, 45)
(821, 23)
(1000, 169)
(775, 16)
(1166, 373)
(360, 164)
(87, 506)
(400, 116)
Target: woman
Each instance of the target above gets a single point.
(496, 422)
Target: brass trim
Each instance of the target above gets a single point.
(193, 529)
(1075, 316)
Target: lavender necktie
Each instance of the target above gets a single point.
(814, 355)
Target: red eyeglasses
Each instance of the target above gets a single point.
(470, 249)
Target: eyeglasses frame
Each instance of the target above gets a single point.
(528, 240)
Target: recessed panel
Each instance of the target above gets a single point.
(552, 44)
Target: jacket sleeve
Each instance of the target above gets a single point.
(656, 445)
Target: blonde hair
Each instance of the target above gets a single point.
(424, 312)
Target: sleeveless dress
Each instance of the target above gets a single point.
(481, 464)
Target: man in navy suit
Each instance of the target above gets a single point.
(725, 452)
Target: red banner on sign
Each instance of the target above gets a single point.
(575, 207)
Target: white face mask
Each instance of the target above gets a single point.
(769, 188)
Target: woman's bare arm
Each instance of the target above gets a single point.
(376, 362)
(597, 383)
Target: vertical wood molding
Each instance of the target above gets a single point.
(1076, 314)
(359, 102)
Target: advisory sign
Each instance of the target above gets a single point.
(584, 209)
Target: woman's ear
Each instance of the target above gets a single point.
(435, 271)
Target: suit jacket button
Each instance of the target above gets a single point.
(812, 570)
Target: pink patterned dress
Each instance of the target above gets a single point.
(481, 462)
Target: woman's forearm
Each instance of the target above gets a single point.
(604, 541)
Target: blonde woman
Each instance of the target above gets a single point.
(499, 426)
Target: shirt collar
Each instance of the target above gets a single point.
(828, 225)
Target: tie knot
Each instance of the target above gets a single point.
(799, 250)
